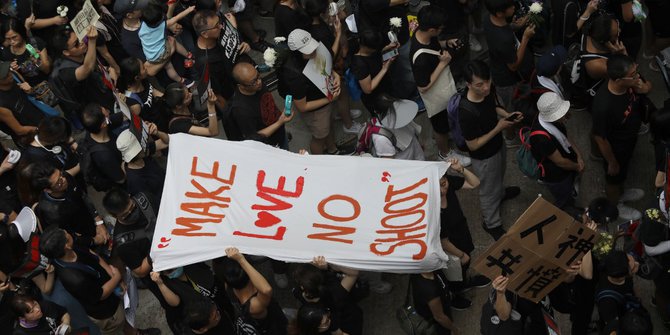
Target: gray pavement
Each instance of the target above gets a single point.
(380, 309)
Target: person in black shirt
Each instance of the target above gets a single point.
(560, 160)
(42, 16)
(63, 204)
(53, 143)
(33, 68)
(289, 15)
(178, 99)
(142, 94)
(369, 69)
(253, 110)
(18, 116)
(478, 117)
(430, 294)
(106, 159)
(202, 317)
(616, 270)
(513, 60)
(38, 317)
(617, 115)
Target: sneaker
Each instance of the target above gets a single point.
(381, 287)
(460, 303)
(628, 213)
(654, 66)
(354, 129)
(644, 128)
(645, 55)
(511, 192)
(355, 114)
(463, 159)
(281, 280)
(474, 44)
(631, 194)
(496, 232)
(478, 281)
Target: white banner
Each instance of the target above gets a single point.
(364, 213)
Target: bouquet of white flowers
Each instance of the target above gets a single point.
(274, 57)
(394, 23)
(535, 14)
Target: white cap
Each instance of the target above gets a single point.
(128, 144)
(25, 223)
(402, 113)
(302, 41)
(552, 107)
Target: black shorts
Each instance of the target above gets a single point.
(440, 122)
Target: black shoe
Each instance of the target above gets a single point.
(460, 303)
(149, 331)
(496, 232)
(478, 281)
(511, 192)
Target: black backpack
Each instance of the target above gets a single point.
(92, 176)
(627, 304)
(142, 201)
(66, 100)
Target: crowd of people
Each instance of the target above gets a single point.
(75, 103)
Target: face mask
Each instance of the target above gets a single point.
(176, 273)
(134, 216)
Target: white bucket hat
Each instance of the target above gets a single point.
(552, 107)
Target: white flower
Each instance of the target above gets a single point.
(535, 8)
(279, 39)
(395, 22)
(270, 57)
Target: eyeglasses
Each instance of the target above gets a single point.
(254, 81)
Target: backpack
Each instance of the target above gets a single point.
(453, 110)
(92, 176)
(371, 127)
(66, 100)
(142, 201)
(629, 302)
(524, 157)
(355, 91)
(650, 267)
(576, 71)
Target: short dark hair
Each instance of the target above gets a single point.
(40, 173)
(371, 39)
(310, 316)
(153, 14)
(16, 26)
(197, 313)
(92, 118)
(200, 18)
(498, 6)
(233, 274)
(174, 95)
(19, 304)
(52, 242)
(116, 201)
(54, 130)
(618, 66)
(430, 17)
(315, 7)
(602, 211)
(600, 29)
(130, 68)
(476, 68)
(311, 280)
(58, 42)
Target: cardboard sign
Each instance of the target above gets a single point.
(319, 69)
(537, 250)
(363, 213)
(86, 17)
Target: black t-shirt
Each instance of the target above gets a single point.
(180, 124)
(90, 90)
(287, 19)
(70, 212)
(64, 160)
(542, 147)
(85, 283)
(43, 9)
(9, 198)
(23, 110)
(150, 110)
(28, 66)
(453, 224)
(295, 83)
(502, 48)
(456, 17)
(478, 122)
(425, 63)
(616, 118)
(375, 15)
(51, 319)
(149, 179)
(628, 29)
(274, 322)
(220, 69)
(130, 40)
(252, 113)
(424, 290)
(108, 160)
(134, 252)
(321, 32)
(369, 66)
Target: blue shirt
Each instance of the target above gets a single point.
(153, 40)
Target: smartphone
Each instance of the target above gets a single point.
(390, 54)
(512, 117)
(288, 103)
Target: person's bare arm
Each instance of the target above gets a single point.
(271, 129)
(174, 19)
(627, 11)
(85, 69)
(369, 84)
(482, 140)
(521, 51)
(107, 56)
(259, 304)
(471, 180)
(45, 65)
(435, 306)
(590, 9)
(7, 117)
(502, 307)
(52, 21)
(170, 297)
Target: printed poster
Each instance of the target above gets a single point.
(86, 17)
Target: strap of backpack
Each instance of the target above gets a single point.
(81, 267)
(620, 299)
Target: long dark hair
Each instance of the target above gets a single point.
(130, 69)
(15, 25)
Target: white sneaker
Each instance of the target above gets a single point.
(474, 44)
(281, 280)
(354, 129)
(355, 113)
(628, 213)
(631, 194)
(464, 160)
